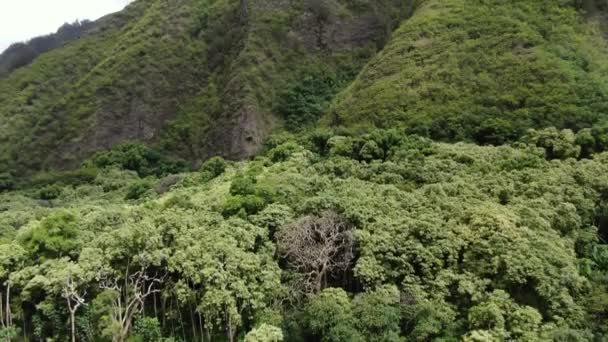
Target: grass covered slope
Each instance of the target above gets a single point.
(449, 241)
(483, 70)
(119, 83)
(202, 76)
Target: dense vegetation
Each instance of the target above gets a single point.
(199, 77)
(326, 237)
(374, 224)
(484, 71)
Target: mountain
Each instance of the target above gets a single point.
(309, 170)
(212, 68)
(485, 71)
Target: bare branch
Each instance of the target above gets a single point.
(317, 245)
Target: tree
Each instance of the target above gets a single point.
(317, 246)
(74, 298)
(231, 270)
(130, 291)
(378, 313)
(12, 258)
(265, 333)
(55, 236)
(329, 315)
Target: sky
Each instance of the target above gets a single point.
(21, 20)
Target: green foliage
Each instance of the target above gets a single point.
(452, 242)
(136, 157)
(50, 192)
(303, 104)
(330, 317)
(9, 334)
(7, 181)
(85, 175)
(243, 205)
(213, 168)
(264, 333)
(558, 145)
(53, 237)
(243, 185)
(137, 190)
(484, 71)
(147, 329)
(379, 314)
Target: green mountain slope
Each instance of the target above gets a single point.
(343, 226)
(215, 66)
(117, 84)
(484, 70)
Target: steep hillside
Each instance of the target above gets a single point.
(340, 224)
(485, 70)
(216, 66)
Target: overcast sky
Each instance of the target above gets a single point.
(21, 20)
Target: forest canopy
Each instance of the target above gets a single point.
(327, 237)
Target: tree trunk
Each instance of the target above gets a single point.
(244, 11)
(2, 311)
(200, 326)
(155, 307)
(231, 331)
(9, 319)
(73, 325)
(192, 324)
(319, 278)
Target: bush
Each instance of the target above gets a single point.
(265, 333)
(557, 144)
(243, 185)
(147, 329)
(50, 192)
(213, 168)
(137, 190)
(137, 157)
(283, 152)
(7, 182)
(53, 237)
(330, 316)
(244, 205)
(304, 103)
(74, 177)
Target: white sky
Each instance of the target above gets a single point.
(21, 20)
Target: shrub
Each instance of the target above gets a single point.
(137, 157)
(147, 329)
(74, 177)
(265, 333)
(7, 182)
(244, 205)
(243, 185)
(137, 190)
(50, 192)
(283, 152)
(53, 237)
(330, 315)
(304, 103)
(213, 168)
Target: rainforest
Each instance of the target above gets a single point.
(308, 170)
